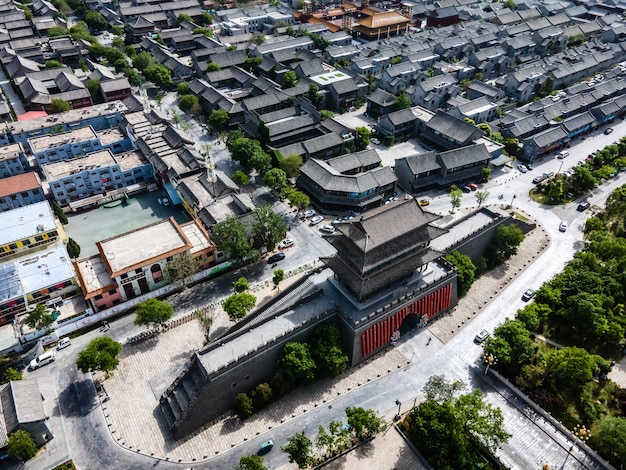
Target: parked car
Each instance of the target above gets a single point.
(482, 336)
(266, 446)
(276, 258)
(562, 155)
(563, 226)
(473, 186)
(309, 213)
(466, 189)
(529, 294)
(522, 168)
(538, 179)
(583, 206)
(63, 343)
(374, 140)
(316, 220)
(423, 202)
(42, 360)
(328, 229)
(286, 243)
(608, 131)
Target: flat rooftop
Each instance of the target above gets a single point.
(62, 169)
(10, 151)
(43, 143)
(42, 269)
(74, 115)
(473, 223)
(131, 250)
(330, 77)
(110, 136)
(93, 275)
(197, 236)
(26, 221)
(130, 160)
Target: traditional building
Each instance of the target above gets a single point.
(20, 190)
(376, 25)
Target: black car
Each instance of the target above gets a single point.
(583, 206)
(276, 258)
(608, 131)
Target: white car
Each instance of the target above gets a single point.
(374, 140)
(563, 227)
(63, 343)
(522, 168)
(329, 229)
(316, 220)
(286, 243)
(309, 213)
(562, 155)
(42, 360)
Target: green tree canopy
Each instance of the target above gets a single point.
(507, 240)
(187, 102)
(237, 306)
(240, 178)
(159, 74)
(291, 165)
(296, 362)
(326, 349)
(212, 67)
(53, 64)
(279, 276)
(180, 268)
(570, 366)
(465, 270)
(39, 318)
(299, 449)
(251, 462)
(268, 228)
(100, 354)
(73, 248)
(58, 105)
(95, 20)
(133, 76)
(142, 61)
(275, 179)
(438, 389)
(241, 285)
(218, 120)
(290, 79)
(402, 101)
(21, 445)
(510, 343)
(455, 198)
(609, 437)
(153, 313)
(11, 375)
(243, 406)
(232, 238)
(296, 198)
(362, 138)
(364, 422)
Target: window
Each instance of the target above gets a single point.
(138, 271)
(98, 297)
(124, 276)
(26, 242)
(38, 238)
(112, 292)
(56, 185)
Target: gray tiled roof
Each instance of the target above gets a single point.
(460, 157)
(352, 161)
(422, 163)
(447, 125)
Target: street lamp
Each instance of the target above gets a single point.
(582, 433)
(512, 199)
(490, 360)
(399, 405)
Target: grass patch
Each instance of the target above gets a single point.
(69, 465)
(521, 217)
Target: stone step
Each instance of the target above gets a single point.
(181, 397)
(190, 388)
(170, 419)
(174, 406)
(196, 376)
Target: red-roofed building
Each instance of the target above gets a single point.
(20, 190)
(31, 115)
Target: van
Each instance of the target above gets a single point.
(42, 360)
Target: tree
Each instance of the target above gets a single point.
(486, 128)
(402, 101)
(364, 422)
(243, 406)
(241, 285)
(240, 178)
(205, 318)
(21, 445)
(73, 248)
(159, 74)
(183, 17)
(39, 318)
(268, 228)
(438, 389)
(275, 179)
(326, 349)
(326, 114)
(142, 61)
(100, 354)
(251, 462)
(232, 238)
(153, 313)
(218, 120)
(507, 239)
(11, 375)
(609, 437)
(291, 165)
(59, 213)
(362, 138)
(510, 343)
(279, 276)
(296, 198)
(314, 96)
(57, 31)
(237, 306)
(555, 190)
(95, 20)
(465, 270)
(570, 366)
(455, 199)
(262, 395)
(481, 196)
(261, 162)
(180, 268)
(257, 39)
(133, 76)
(583, 178)
(59, 106)
(296, 362)
(251, 64)
(212, 67)
(486, 174)
(53, 64)
(182, 89)
(299, 449)
(186, 102)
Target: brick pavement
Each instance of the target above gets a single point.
(147, 368)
